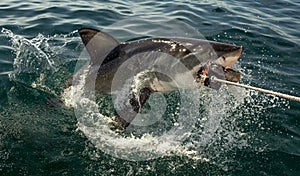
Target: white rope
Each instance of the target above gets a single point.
(290, 97)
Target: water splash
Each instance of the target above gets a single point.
(26, 49)
(40, 58)
(208, 132)
(221, 128)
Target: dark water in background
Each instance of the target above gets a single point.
(261, 136)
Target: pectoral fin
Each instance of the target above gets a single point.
(123, 120)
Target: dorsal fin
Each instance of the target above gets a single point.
(97, 43)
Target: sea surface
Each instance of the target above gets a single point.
(46, 129)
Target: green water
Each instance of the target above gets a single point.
(236, 131)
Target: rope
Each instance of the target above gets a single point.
(290, 97)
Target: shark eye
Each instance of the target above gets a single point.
(224, 58)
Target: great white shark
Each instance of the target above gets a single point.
(167, 64)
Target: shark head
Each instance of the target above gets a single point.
(226, 57)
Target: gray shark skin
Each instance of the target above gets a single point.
(170, 64)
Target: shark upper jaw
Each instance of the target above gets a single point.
(229, 59)
(227, 54)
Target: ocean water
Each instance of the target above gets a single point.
(46, 129)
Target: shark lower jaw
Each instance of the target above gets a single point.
(232, 75)
(211, 69)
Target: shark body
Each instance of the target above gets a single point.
(166, 64)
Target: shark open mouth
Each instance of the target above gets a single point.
(210, 69)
